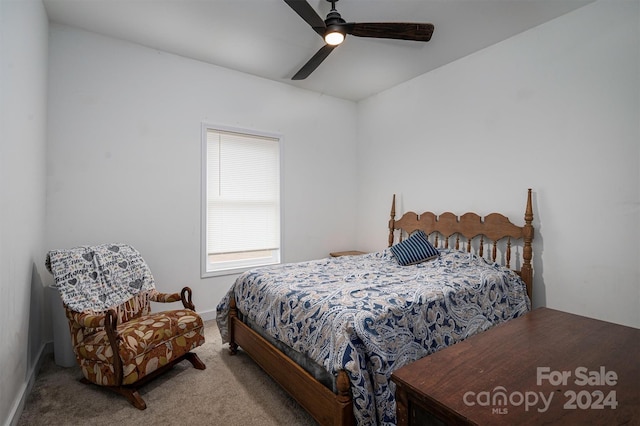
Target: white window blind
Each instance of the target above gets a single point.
(242, 199)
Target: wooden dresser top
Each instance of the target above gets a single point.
(546, 367)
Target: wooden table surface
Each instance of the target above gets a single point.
(546, 367)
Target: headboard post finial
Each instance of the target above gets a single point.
(392, 220)
(528, 215)
(526, 271)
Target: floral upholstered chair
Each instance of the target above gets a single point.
(119, 343)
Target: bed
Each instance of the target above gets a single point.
(331, 331)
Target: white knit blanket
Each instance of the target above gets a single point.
(96, 278)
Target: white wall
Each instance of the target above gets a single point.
(555, 109)
(23, 93)
(124, 155)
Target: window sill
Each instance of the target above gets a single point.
(231, 271)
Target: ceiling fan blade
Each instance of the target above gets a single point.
(313, 63)
(396, 30)
(306, 12)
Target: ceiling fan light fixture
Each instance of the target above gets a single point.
(334, 36)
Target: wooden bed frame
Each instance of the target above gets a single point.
(329, 408)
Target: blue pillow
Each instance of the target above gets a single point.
(414, 249)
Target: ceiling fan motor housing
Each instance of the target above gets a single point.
(334, 24)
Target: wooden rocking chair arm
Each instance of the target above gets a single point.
(165, 297)
(185, 295)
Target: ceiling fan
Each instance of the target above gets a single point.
(334, 29)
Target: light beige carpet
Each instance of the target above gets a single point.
(232, 390)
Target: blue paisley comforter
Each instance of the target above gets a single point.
(370, 316)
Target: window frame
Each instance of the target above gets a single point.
(205, 127)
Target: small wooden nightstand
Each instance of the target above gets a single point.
(346, 253)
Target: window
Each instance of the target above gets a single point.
(241, 200)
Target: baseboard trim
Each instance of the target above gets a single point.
(207, 315)
(25, 389)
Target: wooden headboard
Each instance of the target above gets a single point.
(474, 232)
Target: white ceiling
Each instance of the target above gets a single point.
(268, 39)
